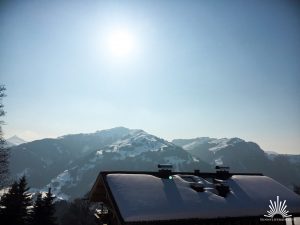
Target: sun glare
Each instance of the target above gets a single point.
(121, 43)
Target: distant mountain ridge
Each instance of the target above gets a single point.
(227, 151)
(71, 163)
(244, 156)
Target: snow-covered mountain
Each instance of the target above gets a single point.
(293, 159)
(14, 140)
(224, 151)
(70, 164)
(244, 156)
(271, 154)
(214, 143)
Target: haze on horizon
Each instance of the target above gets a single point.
(176, 69)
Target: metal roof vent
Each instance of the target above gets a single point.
(199, 187)
(222, 172)
(165, 170)
(222, 168)
(165, 166)
(195, 182)
(222, 187)
(197, 172)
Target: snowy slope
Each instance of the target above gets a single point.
(71, 163)
(243, 156)
(222, 151)
(137, 150)
(216, 144)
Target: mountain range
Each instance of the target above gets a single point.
(71, 163)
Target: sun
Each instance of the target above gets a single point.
(121, 43)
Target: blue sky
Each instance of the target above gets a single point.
(199, 68)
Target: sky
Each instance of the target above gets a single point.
(186, 69)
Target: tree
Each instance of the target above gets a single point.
(78, 213)
(9, 206)
(3, 149)
(50, 208)
(14, 205)
(44, 210)
(38, 210)
(25, 198)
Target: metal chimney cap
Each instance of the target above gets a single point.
(165, 166)
(222, 167)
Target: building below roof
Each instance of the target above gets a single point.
(167, 197)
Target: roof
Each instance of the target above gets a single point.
(148, 197)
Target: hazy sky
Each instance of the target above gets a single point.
(195, 68)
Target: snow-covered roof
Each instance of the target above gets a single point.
(145, 197)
